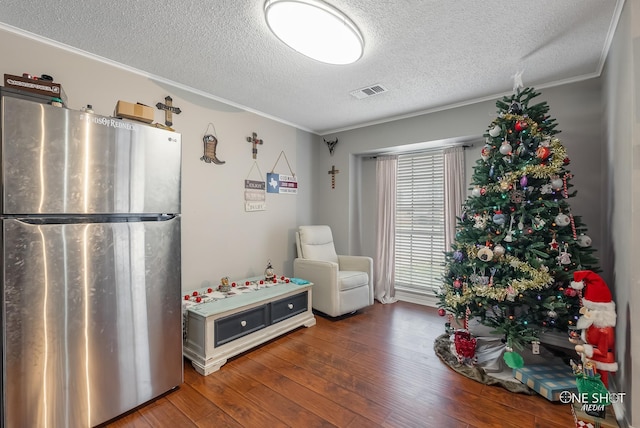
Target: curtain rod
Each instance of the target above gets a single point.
(410, 152)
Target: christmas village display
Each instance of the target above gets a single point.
(522, 262)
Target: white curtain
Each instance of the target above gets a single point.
(384, 270)
(454, 182)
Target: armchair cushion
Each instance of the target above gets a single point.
(316, 243)
(349, 279)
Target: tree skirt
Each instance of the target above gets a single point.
(442, 348)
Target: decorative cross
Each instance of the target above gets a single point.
(169, 109)
(333, 171)
(255, 141)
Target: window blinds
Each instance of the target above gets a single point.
(420, 242)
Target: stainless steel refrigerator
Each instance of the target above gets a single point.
(91, 283)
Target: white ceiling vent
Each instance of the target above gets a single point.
(369, 91)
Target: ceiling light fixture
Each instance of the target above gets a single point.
(315, 29)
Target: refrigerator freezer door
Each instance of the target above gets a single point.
(92, 319)
(60, 161)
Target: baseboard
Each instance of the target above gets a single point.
(619, 408)
(416, 296)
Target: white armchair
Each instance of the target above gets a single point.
(341, 284)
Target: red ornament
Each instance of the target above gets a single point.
(441, 312)
(570, 292)
(483, 191)
(286, 280)
(247, 283)
(195, 293)
(520, 125)
(198, 299)
(543, 152)
(233, 284)
(209, 290)
(186, 297)
(566, 161)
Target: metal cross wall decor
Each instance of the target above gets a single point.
(255, 141)
(333, 171)
(169, 110)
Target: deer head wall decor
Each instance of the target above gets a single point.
(331, 145)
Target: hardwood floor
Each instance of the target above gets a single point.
(375, 368)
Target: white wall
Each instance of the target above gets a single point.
(622, 112)
(218, 237)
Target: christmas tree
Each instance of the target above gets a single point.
(518, 243)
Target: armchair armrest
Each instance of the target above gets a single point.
(324, 276)
(359, 263)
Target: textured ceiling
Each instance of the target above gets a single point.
(428, 54)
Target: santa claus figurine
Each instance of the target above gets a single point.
(597, 322)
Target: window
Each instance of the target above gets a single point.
(420, 228)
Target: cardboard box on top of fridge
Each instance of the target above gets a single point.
(139, 112)
(35, 86)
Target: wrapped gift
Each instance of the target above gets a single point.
(584, 420)
(548, 380)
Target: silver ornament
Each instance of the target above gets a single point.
(584, 241)
(562, 220)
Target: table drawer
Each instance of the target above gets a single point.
(288, 307)
(240, 324)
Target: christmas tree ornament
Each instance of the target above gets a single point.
(513, 359)
(475, 191)
(458, 256)
(565, 191)
(509, 236)
(553, 245)
(562, 220)
(543, 152)
(538, 223)
(570, 292)
(584, 240)
(491, 171)
(520, 125)
(495, 131)
(517, 196)
(480, 221)
(564, 258)
(457, 284)
(483, 191)
(556, 182)
(505, 185)
(498, 250)
(485, 152)
(515, 108)
(485, 254)
(546, 189)
(505, 148)
(499, 218)
(442, 312)
(524, 181)
(552, 314)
